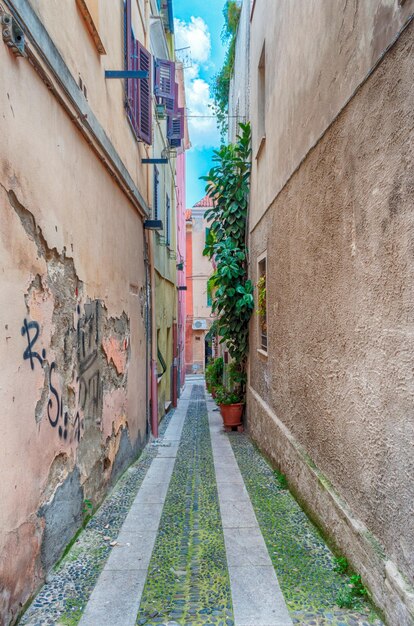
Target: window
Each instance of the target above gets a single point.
(262, 303)
(164, 86)
(156, 202)
(167, 220)
(138, 103)
(261, 98)
(209, 294)
(175, 127)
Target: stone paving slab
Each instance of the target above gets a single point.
(245, 547)
(256, 595)
(117, 595)
(237, 514)
(110, 603)
(230, 492)
(257, 599)
(132, 551)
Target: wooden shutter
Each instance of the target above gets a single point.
(164, 78)
(128, 42)
(138, 105)
(175, 128)
(171, 103)
(144, 95)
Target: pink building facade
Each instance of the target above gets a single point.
(180, 182)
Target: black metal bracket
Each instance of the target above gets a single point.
(158, 160)
(153, 225)
(135, 74)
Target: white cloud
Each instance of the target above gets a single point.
(202, 127)
(195, 34)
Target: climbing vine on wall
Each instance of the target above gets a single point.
(228, 184)
(221, 81)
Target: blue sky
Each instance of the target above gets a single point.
(198, 25)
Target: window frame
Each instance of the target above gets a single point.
(167, 220)
(156, 198)
(262, 337)
(261, 101)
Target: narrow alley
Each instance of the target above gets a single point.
(206, 313)
(200, 531)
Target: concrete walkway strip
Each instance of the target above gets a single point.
(117, 595)
(257, 597)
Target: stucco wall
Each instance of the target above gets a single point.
(202, 268)
(72, 309)
(332, 402)
(317, 53)
(239, 93)
(67, 28)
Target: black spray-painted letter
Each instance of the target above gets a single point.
(29, 353)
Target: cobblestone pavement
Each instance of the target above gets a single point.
(62, 600)
(187, 578)
(304, 565)
(187, 582)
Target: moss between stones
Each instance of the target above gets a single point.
(187, 578)
(303, 562)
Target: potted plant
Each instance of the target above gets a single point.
(231, 406)
(233, 302)
(214, 375)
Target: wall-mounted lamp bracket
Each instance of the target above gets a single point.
(13, 35)
(153, 225)
(126, 74)
(156, 160)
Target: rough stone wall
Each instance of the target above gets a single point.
(332, 402)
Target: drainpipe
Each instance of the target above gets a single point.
(147, 338)
(153, 368)
(174, 381)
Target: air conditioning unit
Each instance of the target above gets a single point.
(200, 324)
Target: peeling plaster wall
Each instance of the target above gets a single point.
(72, 331)
(332, 403)
(165, 318)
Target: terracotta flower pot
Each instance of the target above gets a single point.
(231, 414)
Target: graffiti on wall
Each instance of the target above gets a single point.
(90, 353)
(30, 353)
(58, 418)
(88, 373)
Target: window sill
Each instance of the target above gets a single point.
(261, 146)
(91, 26)
(262, 352)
